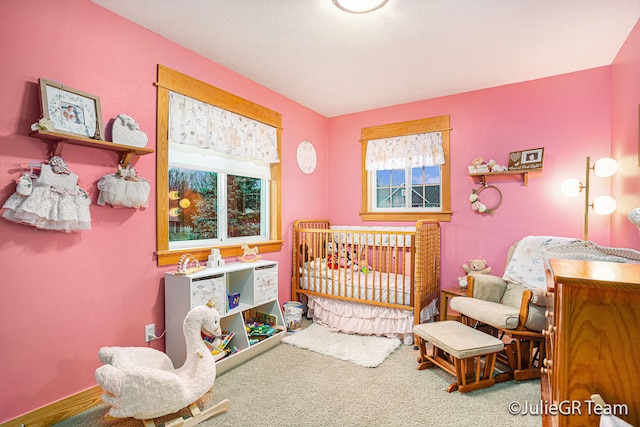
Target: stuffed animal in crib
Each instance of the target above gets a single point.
(332, 256)
(364, 267)
(358, 261)
(343, 256)
(352, 254)
(306, 252)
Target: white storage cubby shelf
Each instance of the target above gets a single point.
(257, 284)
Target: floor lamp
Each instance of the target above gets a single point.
(602, 205)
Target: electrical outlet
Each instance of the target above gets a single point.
(150, 332)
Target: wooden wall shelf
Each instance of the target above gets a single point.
(525, 175)
(57, 141)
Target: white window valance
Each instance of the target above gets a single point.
(400, 152)
(198, 124)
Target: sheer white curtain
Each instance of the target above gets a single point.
(197, 124)
(400, 152)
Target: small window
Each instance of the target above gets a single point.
(409, 192)
(410, 188)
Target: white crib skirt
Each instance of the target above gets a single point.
(355, 318)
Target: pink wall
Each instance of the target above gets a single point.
(65, 295)
(625, 105)
(568, 115)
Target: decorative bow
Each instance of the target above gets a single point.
(58, 165)
(127, 173)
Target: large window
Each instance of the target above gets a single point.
(215, 188)
(210, 208)
(405, 171)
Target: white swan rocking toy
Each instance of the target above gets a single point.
(142, 383)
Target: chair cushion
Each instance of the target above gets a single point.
(488, 287)
(536, 321)
(457, 339)
(539, 297)
(513, 295)
(492, 313)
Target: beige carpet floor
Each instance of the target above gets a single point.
(289, 386)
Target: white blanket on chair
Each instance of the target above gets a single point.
(527, 265)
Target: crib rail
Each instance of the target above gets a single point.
(379, 266)
(427, 260)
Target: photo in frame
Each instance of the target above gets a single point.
(72, 111)
(526, 159)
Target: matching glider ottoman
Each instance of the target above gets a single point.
(459, 349)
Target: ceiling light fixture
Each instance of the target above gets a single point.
(359, 6)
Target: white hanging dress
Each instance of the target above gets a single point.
(56, 203)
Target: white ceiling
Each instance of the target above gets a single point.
(337, 63)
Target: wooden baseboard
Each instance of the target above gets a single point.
(58, 411)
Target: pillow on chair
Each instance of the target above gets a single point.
(492, 289)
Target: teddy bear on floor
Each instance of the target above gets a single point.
(476, 266)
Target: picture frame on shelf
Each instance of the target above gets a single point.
(526, 159)
(72, 111)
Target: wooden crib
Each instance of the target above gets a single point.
(394, 268)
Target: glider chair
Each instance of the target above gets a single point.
(512, 308)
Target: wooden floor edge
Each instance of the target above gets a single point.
(59, 410)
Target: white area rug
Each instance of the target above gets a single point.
(367, 351)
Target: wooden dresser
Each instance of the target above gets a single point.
(593, 342)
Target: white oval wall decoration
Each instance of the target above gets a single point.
(307, 158)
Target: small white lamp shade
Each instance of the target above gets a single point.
(605, 167)
(604, 205)
(571, 187)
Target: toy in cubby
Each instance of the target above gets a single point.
(233, 300)
(219, 346)
(215, 259)
(258, 331)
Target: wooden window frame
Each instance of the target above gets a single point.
(170, 80)
(433, 124)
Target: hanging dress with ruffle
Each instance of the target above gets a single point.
(124, 189)
(55, 203)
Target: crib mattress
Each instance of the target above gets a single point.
(373, 286)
